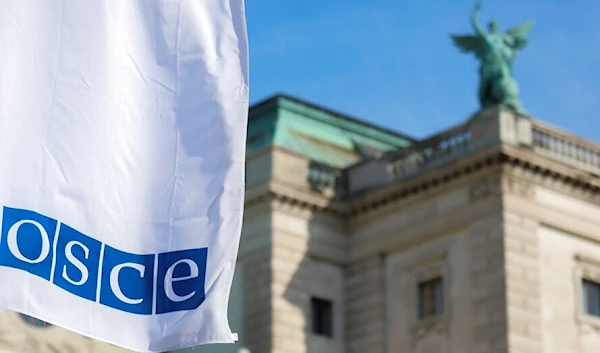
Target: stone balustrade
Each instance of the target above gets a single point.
(567, 148)
(491, 127)
(445, 145)
(323, 175)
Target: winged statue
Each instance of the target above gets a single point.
(496, 52)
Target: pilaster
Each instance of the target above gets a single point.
(257, 300)
(522, 266)
(290, 298)
(522, 284)
(488, 291)
(365, 317)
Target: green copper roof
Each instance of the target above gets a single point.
(319, 133)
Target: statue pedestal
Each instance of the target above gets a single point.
(500, 124)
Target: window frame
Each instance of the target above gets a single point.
(586, 301)
(322, 305)
(428, 268)
(587, 268)
(436, 285)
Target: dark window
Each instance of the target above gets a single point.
(322, 317)
(591, 297)
(431, 298)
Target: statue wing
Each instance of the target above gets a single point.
(516, 37)
(469, 44)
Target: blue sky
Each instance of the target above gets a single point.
(391, 62)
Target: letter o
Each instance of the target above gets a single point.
(85, 274)
(14, 247)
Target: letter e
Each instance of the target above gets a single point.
(180, 280)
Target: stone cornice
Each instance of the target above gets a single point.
(518, 162)
(287, 194)
(425, 182)
(532, 168)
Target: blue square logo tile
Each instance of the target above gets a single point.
(180, 280)
(77, 260)
(27, 241)
(127, 281)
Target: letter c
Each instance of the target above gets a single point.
(13, 246)
(114, 281)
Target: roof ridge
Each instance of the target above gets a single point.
(276, 97)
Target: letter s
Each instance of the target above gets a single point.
(75, 261)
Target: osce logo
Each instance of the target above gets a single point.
(140, 284)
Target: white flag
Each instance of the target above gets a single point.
(122, 148)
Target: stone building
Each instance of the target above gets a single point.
(482, 238)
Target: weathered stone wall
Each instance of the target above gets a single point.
(456, 233)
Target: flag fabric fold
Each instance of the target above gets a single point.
(122, 149)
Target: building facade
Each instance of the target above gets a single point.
(484, 238)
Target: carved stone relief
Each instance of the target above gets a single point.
(484, 188)
(518, 187)
(527, 178)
